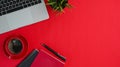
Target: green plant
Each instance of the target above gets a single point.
(59, 5)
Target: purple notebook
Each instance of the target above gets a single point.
(44, 59)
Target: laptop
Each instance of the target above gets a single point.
(15, 14)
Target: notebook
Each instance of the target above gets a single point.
(45, 59)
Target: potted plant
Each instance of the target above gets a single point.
(58, 5)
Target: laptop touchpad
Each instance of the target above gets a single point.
(19, 18)
(3, 25)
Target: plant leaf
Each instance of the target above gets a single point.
(57, 8)
(68, 5)
(51, 3)
(61, 9)
(62, 1)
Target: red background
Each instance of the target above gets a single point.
(87, 34)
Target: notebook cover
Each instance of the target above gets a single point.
(44, 59)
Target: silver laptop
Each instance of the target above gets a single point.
(18, 13)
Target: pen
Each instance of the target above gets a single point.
(54, 52)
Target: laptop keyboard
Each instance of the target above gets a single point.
(8, 6)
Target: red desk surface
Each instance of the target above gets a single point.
(88, 34)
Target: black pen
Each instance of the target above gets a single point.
(54, 52)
